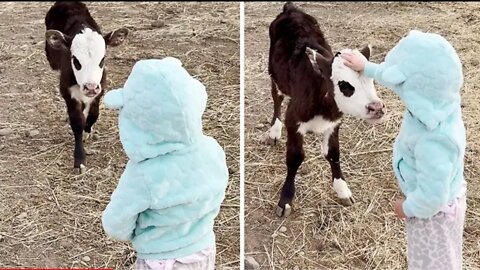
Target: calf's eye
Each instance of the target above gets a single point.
(102, 62)
(77, 64)
(346, 88)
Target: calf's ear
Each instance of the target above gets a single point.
(367, 51)
(116, 37)
(319, 63)
(57, 40)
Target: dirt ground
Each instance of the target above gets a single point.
(320, 233)
(51, 217)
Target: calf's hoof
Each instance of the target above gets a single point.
(283, 212)
(82, 169)
(92, 135)
(343, 192)
(347, 201)
(268, 140)
(87, 135)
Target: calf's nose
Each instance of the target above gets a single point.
(92, 87)
(376, 109)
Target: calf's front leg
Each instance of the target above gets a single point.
(331, 151)
(77, 123)
(92, 116)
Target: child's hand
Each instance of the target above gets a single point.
(353, 61)
(398, 208)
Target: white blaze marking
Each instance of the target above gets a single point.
(82, 168)
(341, 188)
(89, 49)
(285, 97)
(86, 109)
(78, 95)
(276, 130)
(288, 210)
(326, 138)
(317, 125)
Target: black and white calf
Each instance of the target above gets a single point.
(321, 89)
(75, 46)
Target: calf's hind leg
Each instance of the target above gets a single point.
(295, 157)
(275, 132)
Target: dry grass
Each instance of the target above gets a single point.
(321, 234)
(50, 217)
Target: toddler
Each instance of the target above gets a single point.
(175, 180)
(424, 70)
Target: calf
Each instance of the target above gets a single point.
(321, 89)
(75, 46)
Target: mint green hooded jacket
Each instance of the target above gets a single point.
(424, 70)
(170, 192)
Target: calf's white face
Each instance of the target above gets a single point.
(88, 56)
(354, 93)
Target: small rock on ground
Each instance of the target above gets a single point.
(108, 172)
(251, 263)
(158, 23)
(86, 258)
(232, 170)
(6, 131)
(32, 133)
(89, 152)
(283, 229)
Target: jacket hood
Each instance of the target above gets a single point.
(426, 72)
(161, 107)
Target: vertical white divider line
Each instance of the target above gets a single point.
(242, 137)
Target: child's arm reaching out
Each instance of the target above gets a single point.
(130, 198)
(387, 76)
(435, 156)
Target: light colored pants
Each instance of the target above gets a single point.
(202, 260)
(436, 243)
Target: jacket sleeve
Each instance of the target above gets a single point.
(371, 69)
(388, 76)
(130, 198)
(435, 159)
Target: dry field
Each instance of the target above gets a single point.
(51, 217)
(320, 233)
